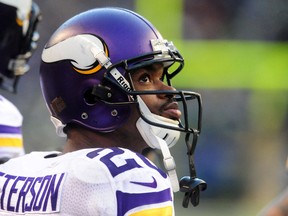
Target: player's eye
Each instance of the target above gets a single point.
(144, 78)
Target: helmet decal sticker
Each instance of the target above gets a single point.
(79, 51)
(58, 105)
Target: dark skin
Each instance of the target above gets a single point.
(146, 79)
(127, 136)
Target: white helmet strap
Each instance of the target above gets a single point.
(59, 126)
(149, 134)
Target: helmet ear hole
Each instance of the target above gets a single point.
(89, 98)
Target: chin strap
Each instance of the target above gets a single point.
(59, 126)
(152, 140)
(191, 185)
(169, 164)
(159, 138)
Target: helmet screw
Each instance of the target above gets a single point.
(109, 95)
(84, 115)
(114, 112)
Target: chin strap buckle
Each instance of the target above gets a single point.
(191, 187)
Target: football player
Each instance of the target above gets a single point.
(106, 79)
(18, 38)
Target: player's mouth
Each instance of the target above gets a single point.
(171, 111)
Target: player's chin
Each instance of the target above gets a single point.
(173, 114)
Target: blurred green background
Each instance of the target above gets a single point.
(236, 56)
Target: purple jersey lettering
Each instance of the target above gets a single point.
(30, 194)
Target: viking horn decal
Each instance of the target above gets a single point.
(77, 49)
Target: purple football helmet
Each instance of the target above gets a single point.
(18, 40)
(85, 66)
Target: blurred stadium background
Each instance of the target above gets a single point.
(236, 54)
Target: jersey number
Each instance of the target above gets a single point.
(130, 162)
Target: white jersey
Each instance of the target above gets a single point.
(11, 140)
(96, 181)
